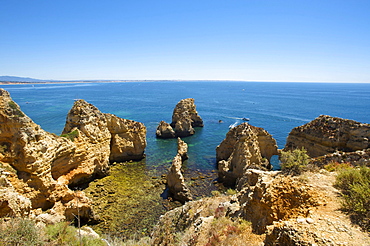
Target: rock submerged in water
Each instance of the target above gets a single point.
(326, 134)
(184, 118)
(244, 147)
(37, 168)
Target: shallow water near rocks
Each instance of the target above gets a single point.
(131, 199)
(127, 201)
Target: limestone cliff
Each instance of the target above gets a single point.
(244, 147)
(92, 145)
(37, 168)
(101, 138)
(128, 140)
(28, 155)
(184, 118)
(327, 134)
(356, 158)
(266, 197)
(175, 179)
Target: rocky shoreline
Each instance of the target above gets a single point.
(39, 174)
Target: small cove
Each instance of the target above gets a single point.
(129, 200)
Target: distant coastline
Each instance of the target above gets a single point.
(73, 82)
(11, 80)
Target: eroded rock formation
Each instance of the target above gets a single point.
(266, 197)
(184, 118)
(37, 168)
(244, 147)
(164, 130)
(281, 210)
(90, 157)
(175, 179)
(327, 134)
(128, 140)
(182, 149)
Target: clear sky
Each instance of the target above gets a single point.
(251, 40)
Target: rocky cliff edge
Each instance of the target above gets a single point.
(326, 134)
(38, 168)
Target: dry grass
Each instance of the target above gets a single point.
(226, 232)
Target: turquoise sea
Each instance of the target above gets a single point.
(277, 107)
(132, 188)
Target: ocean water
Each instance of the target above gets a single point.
(277, 107)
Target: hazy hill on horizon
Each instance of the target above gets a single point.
(19, 79)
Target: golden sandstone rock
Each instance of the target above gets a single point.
(37, 168)
(244, 147)
(184, 118)
(326, 134)
(164, 130)
(175, 179)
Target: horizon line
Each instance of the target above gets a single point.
(158, 80)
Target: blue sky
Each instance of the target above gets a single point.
(251, 40)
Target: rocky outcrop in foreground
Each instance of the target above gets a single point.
(266, 197)
(184, 118)
(326, 134)
(244, 147)
(37, 168)
(175, 179)
(269, 209)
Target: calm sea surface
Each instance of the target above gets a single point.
(132, 188)
(277, 107)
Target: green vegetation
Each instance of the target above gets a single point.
(294, 162)
(336, 166)
(355, 186)
(216, 193)
(19, 232)
(71, 136)
(129, 192)
(231, 192)
(24, 232)
(15, 108)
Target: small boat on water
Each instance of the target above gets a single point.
(233, 125)
(245, 119)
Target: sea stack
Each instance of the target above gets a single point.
(244, 147)
(175, 179)
(184, 118)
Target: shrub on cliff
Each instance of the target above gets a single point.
(21, 231)
(71, 136)
(355, 187)
(15, 108)
(294, 162)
